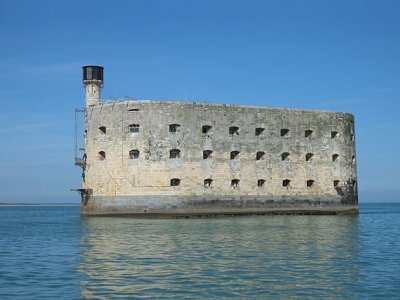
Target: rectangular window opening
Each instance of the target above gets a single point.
(260, 182)
(102, 130)
(175, 182)
(207, 154)
(174, 153)
(235, 154)
(206, 129)
(134, 128)
(174, 128)
(233, 130)
(260, 155)
(259, 131)
(285, 132)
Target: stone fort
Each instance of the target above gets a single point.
(155, 158)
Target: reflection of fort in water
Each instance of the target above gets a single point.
(280, 254)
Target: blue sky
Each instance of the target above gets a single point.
(335, 55)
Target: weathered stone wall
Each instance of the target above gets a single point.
(320, 133)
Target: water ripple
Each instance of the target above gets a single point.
(48, 253)
(228, 257)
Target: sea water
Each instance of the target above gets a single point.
(52, 252)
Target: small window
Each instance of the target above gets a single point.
(335, 157)
(134, 154)
(206, 129)
(309, 156)
(175, 182)
(207, 154)
(308, 133)
(260, 182)
(102, 130)
(352, 137)
(235, 183)
(353, 159)
(102, 155)
(260, 155)
(175, 153)
(234, 130)
(284, 132)
(286, 183)
(133, 109)
(334, 134)
(285, 156)
(174, 128)
(336, 183)
(208, 182)
(235, 154)
(259, 131)
(310, 183)
(134, 128)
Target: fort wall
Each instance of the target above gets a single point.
(193, 158)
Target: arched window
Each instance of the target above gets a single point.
(336, 183)
(207, 154)
(285, 156)
(134, 128)
(334, 134)
(260, 155)
(308, 133)
(260, 182)
(233, 130)
(259, 131)
(175, 153)
(134, 154)
(102, 130)
(310, 183)
(235, 183)
(309, 156)
(235, 155)
(174, 128)
(286, 183)
(353, 159)
(208, 182)
(175, 182)
(335, 157)
(206, 129)
(102, 155)
(285, 132)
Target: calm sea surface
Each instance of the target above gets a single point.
(53, 252)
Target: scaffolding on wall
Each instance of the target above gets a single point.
(79, 161)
